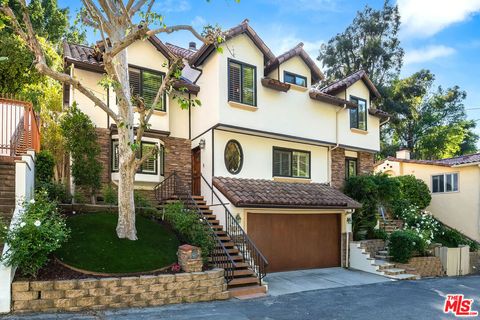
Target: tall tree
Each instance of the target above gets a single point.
(370, 43)
(430, 122)
(120, 24)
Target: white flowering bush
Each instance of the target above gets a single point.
(422, 223)
(40, 231)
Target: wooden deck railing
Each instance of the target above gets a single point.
(19, 127)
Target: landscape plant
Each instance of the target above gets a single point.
(403, 244)
(40, 231)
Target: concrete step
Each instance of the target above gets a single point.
(382, 252)
(382, 264)
(404, 276)
(247, 290)
(393, 271)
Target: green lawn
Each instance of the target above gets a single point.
(94, 245)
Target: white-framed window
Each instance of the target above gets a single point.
(150, 166)
(447, 182)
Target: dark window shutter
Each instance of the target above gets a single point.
(135, 80)
(66, 94)
(150, 86)
(234, 70)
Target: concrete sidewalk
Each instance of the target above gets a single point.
(281, 283)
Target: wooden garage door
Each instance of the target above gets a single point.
(296, 241)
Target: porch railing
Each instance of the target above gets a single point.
(174, 188)
(19, 127)
(252, 255)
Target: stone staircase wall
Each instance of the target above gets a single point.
(7, 187)
(423, 266)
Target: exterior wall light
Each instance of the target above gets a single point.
(201, 144)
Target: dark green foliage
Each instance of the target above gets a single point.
(55, 191)
(371, 191)
(44, 164)
(143, 205)
(414, 190)
(403, 244)
(93, 246)
(110, 195)
(370, 43)
(378, 234)
(188, 224)
(453, 238)
(81, 142)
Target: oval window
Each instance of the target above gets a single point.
(233, 156)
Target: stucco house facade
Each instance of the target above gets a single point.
(268, 140)
(454, 184)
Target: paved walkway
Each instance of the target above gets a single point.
(422, 299)
(280, 283)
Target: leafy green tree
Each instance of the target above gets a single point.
(430, 122)
(370, 43)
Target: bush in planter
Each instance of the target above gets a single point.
(402, 245)
(421, 222)
(44, 164)
(190, 227)
(378, 234)
(143, 205)
(453, 238)
(110, 195)
(414, 190)
(40, 231)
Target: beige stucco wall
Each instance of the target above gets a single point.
(460, 210)
(292, 113)
(140, 54)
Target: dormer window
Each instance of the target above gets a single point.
(242, 80)
(358, 115)
(295, 79)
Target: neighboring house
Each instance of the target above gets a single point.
(275, 147)
(454, 184)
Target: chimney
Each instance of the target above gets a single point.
(192, 46)
(403, 154)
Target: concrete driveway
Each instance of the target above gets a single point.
(281, 283)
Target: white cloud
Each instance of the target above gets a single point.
(427, 54)
(423, 18)
(167, 6)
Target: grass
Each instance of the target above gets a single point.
(94, 245)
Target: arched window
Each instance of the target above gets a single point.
(233, 156)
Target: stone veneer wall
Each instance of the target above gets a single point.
(423, 266)
(344, 246)
(372, 246)
(94, 294)
(475, 262)
(364, 163)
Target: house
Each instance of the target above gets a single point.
(268, 145)
(454, 184)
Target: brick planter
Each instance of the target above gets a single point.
(94, 294)
(372, 246)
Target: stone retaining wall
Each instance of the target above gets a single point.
(373, 246)
(475, 262)
(94, 294)
(423, 266)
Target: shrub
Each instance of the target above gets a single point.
(402, 245)
(78, 197)
(44, 164)
(3, 230)
(371, 191)
(110, 195)
(414, 190)
(420, 222)
(453, 238)
(55, 191)
(190, 227)
(143, 205)
(378, 234)
(40, 231)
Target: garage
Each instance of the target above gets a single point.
(296, 241)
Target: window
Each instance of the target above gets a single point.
(291, 163)
(358, 115)
(445, 183)
(295, 79)
(350, 167)
(145, 84)
(242, 83)
(233, 156)
(150, 165)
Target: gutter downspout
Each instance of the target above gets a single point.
(384, 122)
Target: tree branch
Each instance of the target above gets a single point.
(137, 6)
(145, 157)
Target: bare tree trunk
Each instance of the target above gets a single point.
(126, 206)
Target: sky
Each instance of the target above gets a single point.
(440, 35)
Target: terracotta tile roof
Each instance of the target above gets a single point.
(427, 162)
(179, 51)
(274, 194)
(80, 53)
(346, 82)
(379, 113)
(298, 50)
(320, 96)
(205, 50)
(465, 159)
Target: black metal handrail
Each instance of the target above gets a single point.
(173, 187)
(252, 255)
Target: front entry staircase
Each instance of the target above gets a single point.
(244, 265)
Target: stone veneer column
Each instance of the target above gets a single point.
(338, 167)
(178, 157)
(365, 162)
(105, 142)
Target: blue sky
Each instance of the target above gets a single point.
(440, 35)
